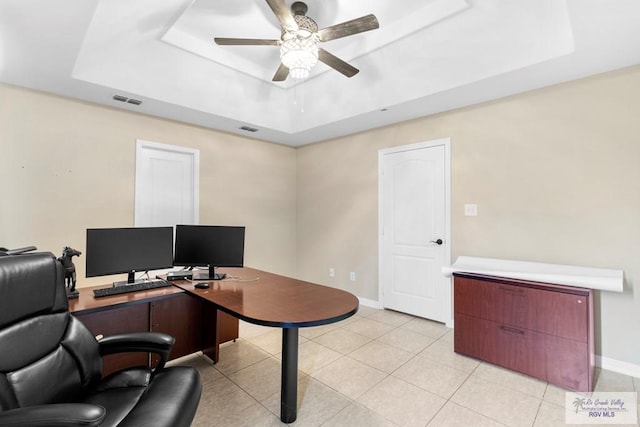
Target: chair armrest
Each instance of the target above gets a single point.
(59, 414)
(152, 342)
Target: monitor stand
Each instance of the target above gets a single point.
(131, 280)
(210, 274)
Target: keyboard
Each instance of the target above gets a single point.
(135, 287)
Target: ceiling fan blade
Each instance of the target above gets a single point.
(284, 15)
(355, 26)
(281, 73)
(245, 42)
(337, 63)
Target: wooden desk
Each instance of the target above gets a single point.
(272, 300)
(196, 325)
(202, 319)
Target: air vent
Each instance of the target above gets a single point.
(127, 100)
(248, 129)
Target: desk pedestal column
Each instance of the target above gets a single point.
(289, 386)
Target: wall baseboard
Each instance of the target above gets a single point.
(601, 362)
(618, 366)
(370, 303)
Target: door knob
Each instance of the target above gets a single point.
(437, 242)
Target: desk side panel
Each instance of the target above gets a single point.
(180, 316)
(133, 318)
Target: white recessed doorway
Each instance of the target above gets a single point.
(167, 185)
(414, 222)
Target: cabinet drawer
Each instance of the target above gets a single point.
(567, 363)
(547, 311)
(514, 348)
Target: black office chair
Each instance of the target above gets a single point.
(51, 365)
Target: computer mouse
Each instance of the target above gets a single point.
(202, 285)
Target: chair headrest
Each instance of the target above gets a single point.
(30, 284)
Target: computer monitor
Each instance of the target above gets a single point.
(209, 246)
(127, 250)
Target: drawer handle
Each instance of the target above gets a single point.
(512, 290)
(512, 330)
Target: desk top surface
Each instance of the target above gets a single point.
(253, 295)
(273, 300)
(87, 303)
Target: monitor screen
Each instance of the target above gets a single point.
(209, 245)
(125, 250)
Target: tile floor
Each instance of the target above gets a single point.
(377, 368)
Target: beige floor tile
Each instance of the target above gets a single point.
(221, 399)
(313, 356)
(406, 340)
(426, 327)
(550, 415)
(511, 379)
(317, 403)
(447, 337)
(377, 368)
(612, 381)
(260, 380)
(452, 415)
(342, 340)
(401, 402)
(364, 311)
(442, 352)
(554, 394)
(498, 402)
(271, 341)
(381, 356)
(316, 331)
(208, 373)
(346, 321)
(237, 355)
(369, 328)
(255, 415)
(349, 377)
(356, 415)
(432, 376)
(246, 329)
(390, 317)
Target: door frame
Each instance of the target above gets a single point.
(446, 143)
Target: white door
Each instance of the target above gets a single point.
(167, 185)
(414, 240)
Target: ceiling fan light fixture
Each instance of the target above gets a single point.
(299, 54)
(300, 39)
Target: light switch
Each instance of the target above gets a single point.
(471, 210)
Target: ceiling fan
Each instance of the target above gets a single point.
(299, 40)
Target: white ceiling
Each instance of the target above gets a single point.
(428, 56)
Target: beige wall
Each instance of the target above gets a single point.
(67, 165)
(555, 174)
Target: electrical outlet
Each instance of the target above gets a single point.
(352, 276)
(332, 272)
(471, 210)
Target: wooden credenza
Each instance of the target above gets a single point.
(539, 329)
